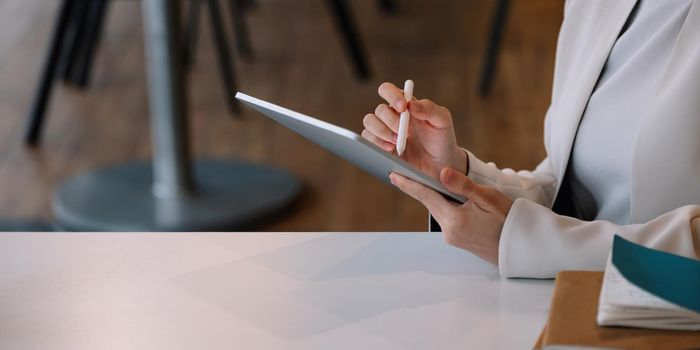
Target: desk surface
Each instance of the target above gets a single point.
(258, 291)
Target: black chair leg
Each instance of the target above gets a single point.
(43, 93)
(494, 45)
(225, 59)
(189, 47)
(240, 28)
(348, 30)
(96, 16)
(76, 35)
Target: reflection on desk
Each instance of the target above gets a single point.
(259, 291)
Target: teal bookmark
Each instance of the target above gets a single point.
(671, 277)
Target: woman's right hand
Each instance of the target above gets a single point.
(431, 144)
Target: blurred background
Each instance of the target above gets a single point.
(299, 57)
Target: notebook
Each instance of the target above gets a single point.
(647, 288)
(624, 304)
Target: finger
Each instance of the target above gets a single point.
(388, 116)
(387, 146)
(427, 110)
(432, 200)
(393, 95)
(378, 128)
(485, 197)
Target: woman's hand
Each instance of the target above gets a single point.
(474, 226)
(431, 144)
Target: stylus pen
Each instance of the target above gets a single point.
(405, 117)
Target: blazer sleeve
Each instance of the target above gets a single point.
(539, 185)
(537, 243)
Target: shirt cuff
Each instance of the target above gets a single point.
(478, 169)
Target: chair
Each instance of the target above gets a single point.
(78, 28)
(73, 44)
(488, 68)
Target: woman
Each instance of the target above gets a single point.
(622, 135)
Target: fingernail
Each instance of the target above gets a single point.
(395, 138)
(391, 178)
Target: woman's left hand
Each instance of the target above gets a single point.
(475, 225)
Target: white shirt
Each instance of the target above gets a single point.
(600, 167)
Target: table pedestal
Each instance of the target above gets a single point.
(227, 196)
(171, 193)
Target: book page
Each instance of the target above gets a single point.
(617, 291)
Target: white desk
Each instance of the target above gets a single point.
(259, 291)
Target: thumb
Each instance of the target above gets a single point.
(459, 183)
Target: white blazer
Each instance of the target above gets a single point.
(665, 211)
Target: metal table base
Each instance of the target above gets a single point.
(227, 195)
(171, 193)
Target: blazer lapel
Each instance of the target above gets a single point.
(588, 34)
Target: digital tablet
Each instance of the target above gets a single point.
(347, 145)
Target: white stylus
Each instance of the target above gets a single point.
(405, 117)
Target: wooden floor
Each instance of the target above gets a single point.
(299, 62)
